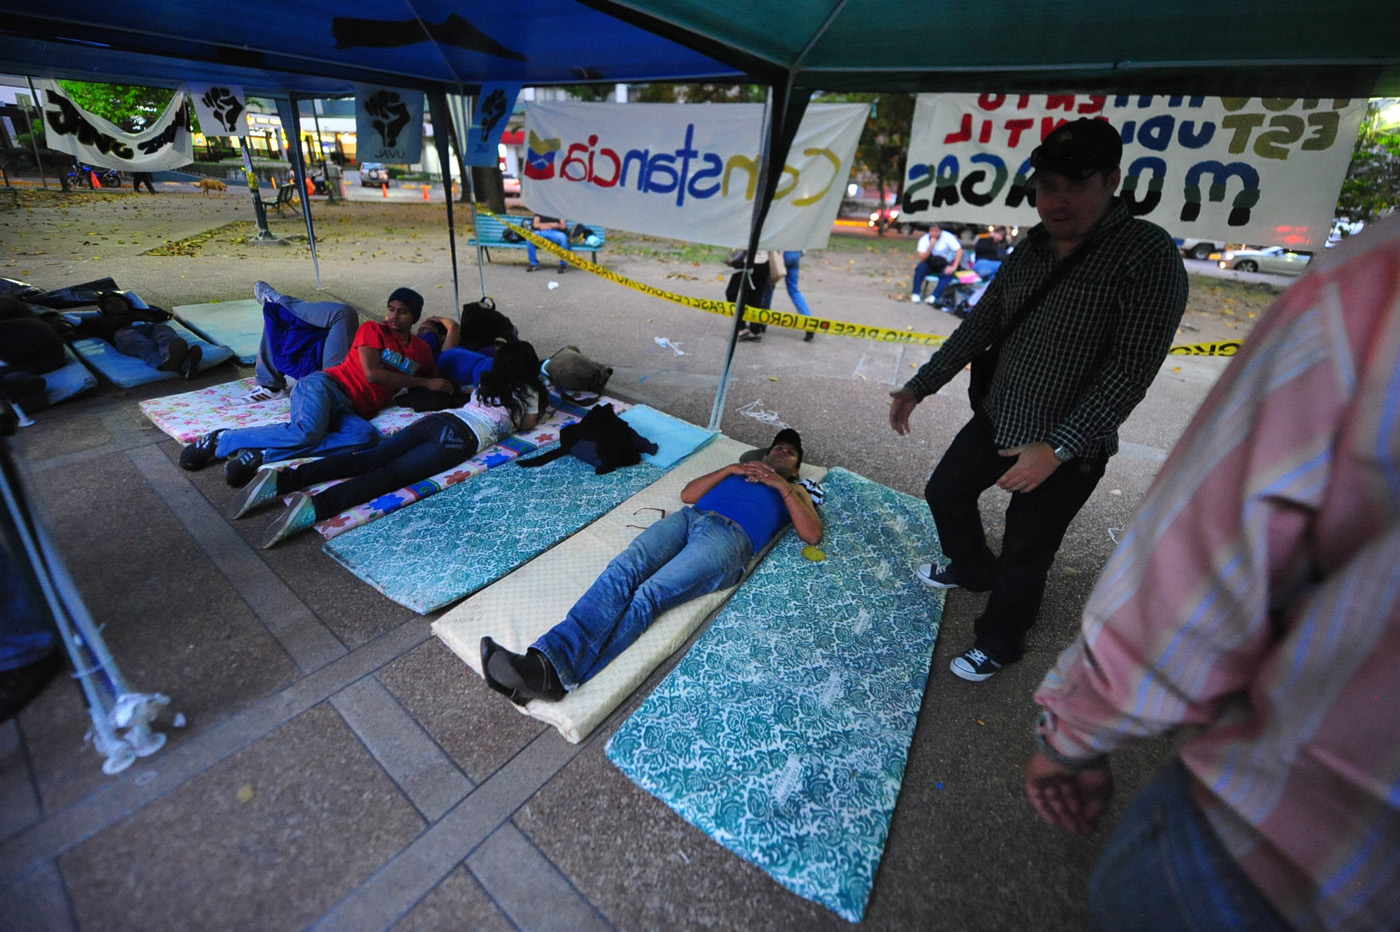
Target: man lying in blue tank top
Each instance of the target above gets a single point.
(735, 512)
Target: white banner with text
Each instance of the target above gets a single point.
(164, 145)
(1233, 169)
(687, 171)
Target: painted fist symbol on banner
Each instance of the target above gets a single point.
(225, 106)
(392, 115)
(493, 109)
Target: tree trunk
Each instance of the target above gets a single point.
(490, 187)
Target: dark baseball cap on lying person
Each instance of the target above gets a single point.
(787, 435)
(1078, 149)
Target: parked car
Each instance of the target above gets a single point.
(512, 184)
(373, 174)
(888, 219)
(1273, 259)
(1198, 248)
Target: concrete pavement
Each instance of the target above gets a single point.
(340, 769)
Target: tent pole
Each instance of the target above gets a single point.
(292, 117)
(259, 212)
(34, 137)
(442, 133)
(469, 192)
(785, 108)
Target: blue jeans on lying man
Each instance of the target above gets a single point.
(681, 557)
(323, 422)
(557, 237)
(148, 342)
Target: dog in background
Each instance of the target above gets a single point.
(211, 184)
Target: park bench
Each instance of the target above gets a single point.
(490, 234)
(287, 196)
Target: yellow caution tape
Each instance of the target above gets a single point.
(793, 321)
(1222, 348)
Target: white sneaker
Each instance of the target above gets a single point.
(263, 393)
(916, 299)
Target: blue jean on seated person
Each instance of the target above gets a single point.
(323, 421)
(923, 270)
(986, 269)
(148, 342)
(681, 557)
(557, 237)
(1165, 868)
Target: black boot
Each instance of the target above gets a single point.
(519, 677)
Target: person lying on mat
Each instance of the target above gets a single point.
(141, 332)
(459, 365)
(331, 408)
(510, 397)
(735, 512)
(298, 338)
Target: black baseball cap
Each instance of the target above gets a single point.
(787, 435)
(1078, 149)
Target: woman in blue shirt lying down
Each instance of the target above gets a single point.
(509, 397)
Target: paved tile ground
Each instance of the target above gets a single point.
(339, 769)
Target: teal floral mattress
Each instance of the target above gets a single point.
(448, 546)
(784, 732)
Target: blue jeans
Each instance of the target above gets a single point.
(557, 237)
(1165, 869)
(148, 342)
(923, 270)
(421, 450)
(681, 557)
(792, 260)
(338, 320)
(986, 268)
(323, 422)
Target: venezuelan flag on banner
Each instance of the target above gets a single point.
(687, 171)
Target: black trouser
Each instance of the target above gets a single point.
(421, 450)
(1036, 522)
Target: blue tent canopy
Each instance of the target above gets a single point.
(1283, 48)
(1280, 49)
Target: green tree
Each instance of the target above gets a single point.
(884, 141)
(593, 93)
(1371, 188)
(127, 105)
(702, 93)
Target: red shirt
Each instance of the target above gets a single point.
(369, 399)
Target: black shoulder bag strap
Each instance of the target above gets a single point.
(984, 364)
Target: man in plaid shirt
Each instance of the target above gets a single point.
(1066, 376)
